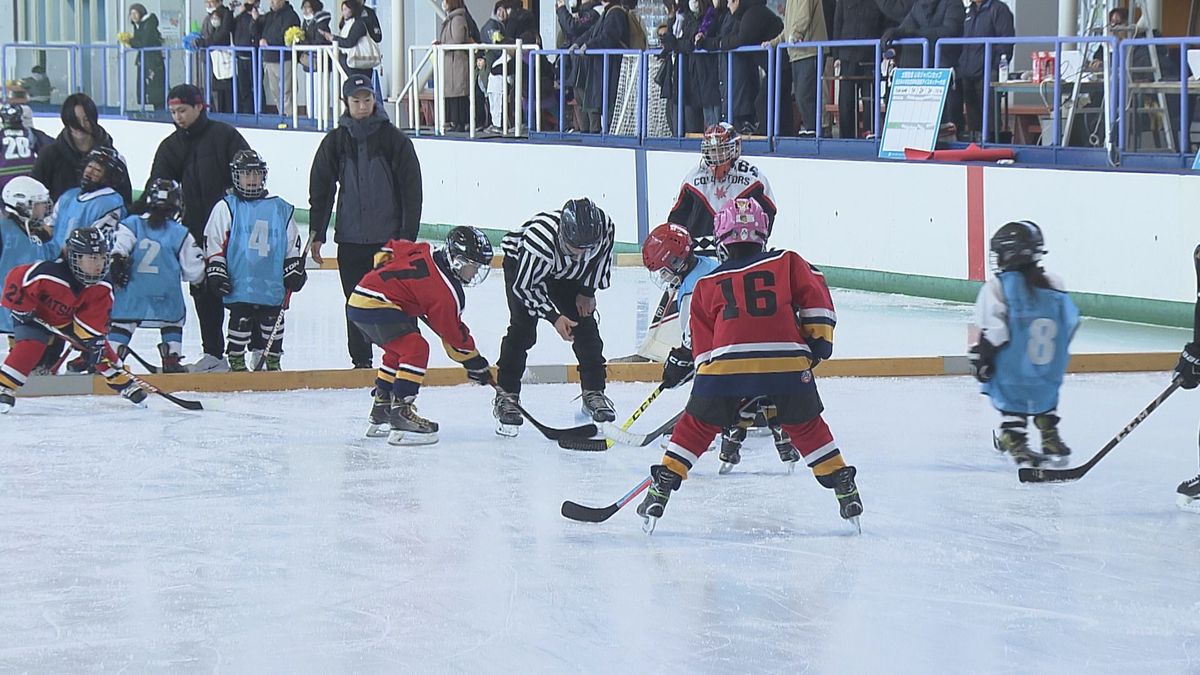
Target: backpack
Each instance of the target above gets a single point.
(371, 20)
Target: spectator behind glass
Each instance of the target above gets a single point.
(931, 20)
(60, 166)
(709, 77)
(217, 31)
(455, 82)
(150, 63)
(985, 19)
(803, 21)
(314, 20)
(272, 27)
(678, 39)
(246, 33)
(351, 29)
(37, 85)
(751, 23)
(610, 32)
(856, 20)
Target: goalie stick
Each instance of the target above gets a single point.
(553, 433)
(1029, 475)
(590, 514)
(600, 444)
(624, 437)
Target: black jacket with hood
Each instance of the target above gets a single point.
(60, 165)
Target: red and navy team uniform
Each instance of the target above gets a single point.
(758, 326)
(51, 292)
(386, 305)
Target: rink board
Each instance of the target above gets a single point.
(922, 366)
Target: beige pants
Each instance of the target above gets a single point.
(271, 86)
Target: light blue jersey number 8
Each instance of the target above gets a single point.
(1041, 347)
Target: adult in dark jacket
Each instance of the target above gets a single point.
(932, 20)
(197, 156)
(351, 28)
(314, 21)
(985, 18)
(610, 32)
(678, 40)
(856, 20)
(217, 31)
(519, 20)
(272, 27)
(380, 196)
(707, 74)
(246, 33)
(751, 23)
(60, 166)
(150, 63)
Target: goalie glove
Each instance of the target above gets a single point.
(1187, 371)
(218, 278)
(678, 367)
(478, 370)
(294, 274)
(982, 358)
(121, 269)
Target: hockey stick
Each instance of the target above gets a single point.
(639, 440)
(1029, 475)
(181, 402)
(145, 364)
(287, 299)
(581, 431)
(590, 514)
(598, 445)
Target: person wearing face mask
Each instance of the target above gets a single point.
(60, 166)
(314, 20)
(246, 33)
(150, 63)
(217, 31)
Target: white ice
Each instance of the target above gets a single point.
(271, 537)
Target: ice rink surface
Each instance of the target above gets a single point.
(270, 536)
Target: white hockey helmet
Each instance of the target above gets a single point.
(22, 198)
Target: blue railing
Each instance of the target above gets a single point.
(1184, 90)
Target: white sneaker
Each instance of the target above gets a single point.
(209, 364)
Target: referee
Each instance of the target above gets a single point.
(553, 267)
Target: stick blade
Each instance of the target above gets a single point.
(583, 444)
(581, 431)
(587, 514)
(1030, 475)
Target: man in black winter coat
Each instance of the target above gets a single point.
(855, 20)
(750, 24)
(246, 33)
(610, 32)
(380, 196)
(216, 30)
(985, 19)
(197, 156)
(272, 27)
(932, 20)
(59, 166)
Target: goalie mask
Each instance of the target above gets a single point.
(720, 148)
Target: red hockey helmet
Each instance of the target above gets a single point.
(721, 147)
(665, 253)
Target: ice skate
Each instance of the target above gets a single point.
(1016, 444)
(655, 502)
(80, 365)
(8, 398)
(850, 505)
(1188, 491)
(134, 394)
(210, 364)
(171, 362)
(379, 424)
(508, 417)
(409, 428)
(237, 362)
(788, 454)
(731, 448)
(1052, 443)
(274, 363)
(597, 406)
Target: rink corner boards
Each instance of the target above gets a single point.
(288, 380)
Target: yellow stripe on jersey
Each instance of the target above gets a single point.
(820, 331)
(459, 355)
(750, 364)
(676, 466)
(360, 300)
(829, 466)
(407, 376)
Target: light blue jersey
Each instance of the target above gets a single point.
(102, 208)
(1029, 368)
(257, 246)
(155, 290)
(704, 266)
(16, 248)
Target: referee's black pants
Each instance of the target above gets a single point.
(522, 334)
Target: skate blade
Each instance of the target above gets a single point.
(5, 408)
(379, 430)
(725, 468)
(404, 438)
(791, 467)
(508, 430)
(1187, 503)
(648, 523)
(853, 520)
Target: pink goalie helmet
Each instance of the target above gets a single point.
(741, 221)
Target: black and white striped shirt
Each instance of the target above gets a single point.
(535, 248)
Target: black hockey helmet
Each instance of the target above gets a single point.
(1016, 245)
(12, 117)
(249, 173)
(111, 167)
(86, 251)
(582, 225)
(469, 254)
(166, 196)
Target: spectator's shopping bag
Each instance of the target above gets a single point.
(222, 64)
(364, 55)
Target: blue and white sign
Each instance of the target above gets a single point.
(914, 110)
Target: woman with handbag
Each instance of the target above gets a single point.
(358, 53)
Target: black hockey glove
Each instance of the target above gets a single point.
(294, 274)
(478, 370)
(92, 350)
(218, 278)
(120, 270)
(678, 367)
(983, 360)
(1187, 371)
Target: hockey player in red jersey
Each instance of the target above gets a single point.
(759, 323)
(412, 282)
(72, 295)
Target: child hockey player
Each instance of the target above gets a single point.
(253, 255)
(411, 282)
(94, 203)
(1187, 372)
(24, 226)
(71, 295)
(153, 254)
(759, 323)
(1026, 322)
(17, 145)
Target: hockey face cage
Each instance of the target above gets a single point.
(720, 148)
(469, 254)
(109, 165)
(86, 252)
(165, 196)
(665, 254)
(22, 196)
(250, 182)
(12, 118)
